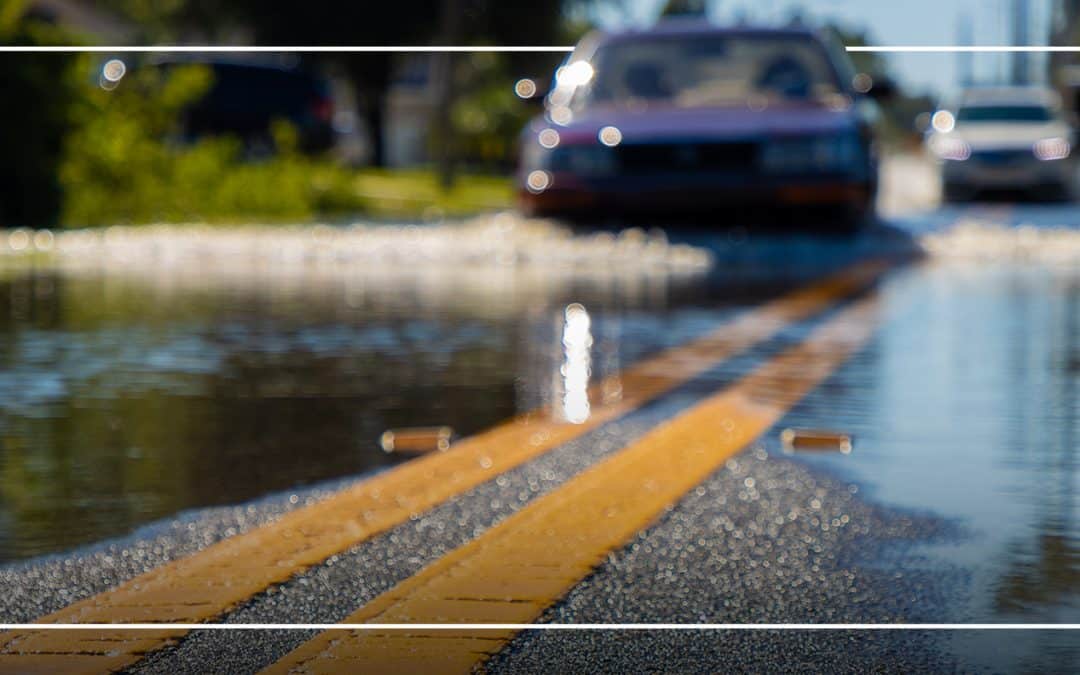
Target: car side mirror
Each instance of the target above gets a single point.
(531, 90)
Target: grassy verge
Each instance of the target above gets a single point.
(283, 190)
(412, 193)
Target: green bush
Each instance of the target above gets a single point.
(77, 154)
(126, 162)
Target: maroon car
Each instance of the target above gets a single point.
(691, 118)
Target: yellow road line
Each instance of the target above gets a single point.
(512, 572)
(207, 584)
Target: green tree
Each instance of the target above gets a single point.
(872, 63)
(405, 22)
(41, 94)
(124, 161)
(329, 22)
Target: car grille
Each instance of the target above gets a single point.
(1002, 156)
(652, 157)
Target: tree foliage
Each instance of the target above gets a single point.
(330, 22)
(125, 162)
(78, 154)
(41, 94)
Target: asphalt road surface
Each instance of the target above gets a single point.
(650, 484)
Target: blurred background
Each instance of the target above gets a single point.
(297, 137)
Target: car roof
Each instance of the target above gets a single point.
(1017, 95)
(677, 27)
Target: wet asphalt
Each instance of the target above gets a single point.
(768, 538)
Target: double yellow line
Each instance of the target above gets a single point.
(209, 583)
(518, 568)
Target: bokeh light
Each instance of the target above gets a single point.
(525, 88)
(538, 181)
(862, 83)
(561, 115)
(548, 138)
(113, 70)
(943, 121)
(610, 136)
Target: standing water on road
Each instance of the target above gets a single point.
(966, 405)
(149, 371)
(146, 372)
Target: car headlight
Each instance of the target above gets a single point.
(811, 153)
(1049, 149)
(949, 148)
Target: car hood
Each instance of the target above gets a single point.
(717, 123)
(1009, 134)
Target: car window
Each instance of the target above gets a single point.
(709, 70)
(1005, 113)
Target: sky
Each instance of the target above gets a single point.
(887, 22)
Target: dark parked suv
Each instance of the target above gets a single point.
(246, 97)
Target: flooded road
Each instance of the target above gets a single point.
(966, 406)
(130, 395)
(136, 392)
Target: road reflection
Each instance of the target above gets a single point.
(966, 406)
(1042, 569)
(148, 371)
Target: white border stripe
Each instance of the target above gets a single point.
(167, 49)
(998, 49)
(541, 626)
(112, 49)
(314, 49)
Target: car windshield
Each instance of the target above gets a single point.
(709, 70)
(1004, 113)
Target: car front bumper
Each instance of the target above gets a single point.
(1017, 174)
(676, 194)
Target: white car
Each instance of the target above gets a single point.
(1009, 139)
